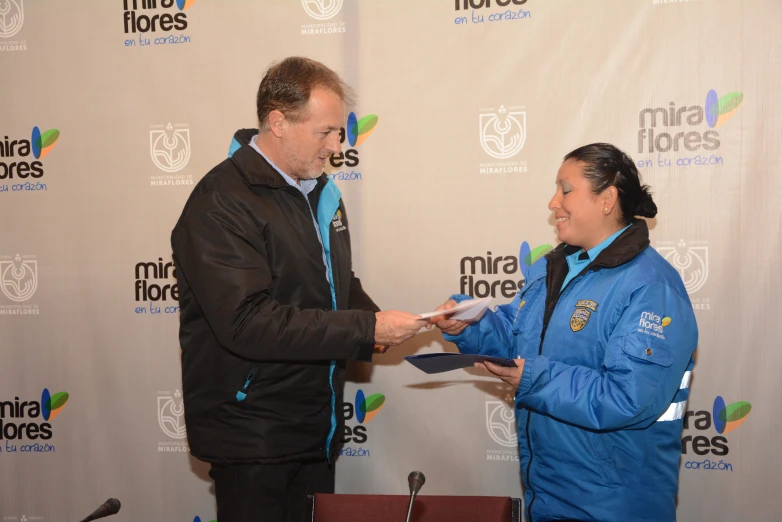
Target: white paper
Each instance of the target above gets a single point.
(469, 310)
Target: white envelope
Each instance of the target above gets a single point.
(469, 310)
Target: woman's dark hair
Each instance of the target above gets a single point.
(606, 166)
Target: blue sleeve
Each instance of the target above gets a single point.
(489, 336)
(642, 371)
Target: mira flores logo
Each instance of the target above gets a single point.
(474, 8)
(722, 419)
(158, 18)
(686, 128)
(22, 420)
(22, 159)
(156, 287)
(364, 409)
(355, 132)
(474, 269)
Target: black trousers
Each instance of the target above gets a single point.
(269, 492)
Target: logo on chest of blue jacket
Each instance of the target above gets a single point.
(471, 267)
(336, 222)
(364, 409)
(582, 313)
(355, 132)
(723, 419)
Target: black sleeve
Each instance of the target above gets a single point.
(219, 252)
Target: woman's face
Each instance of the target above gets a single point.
(582, 218)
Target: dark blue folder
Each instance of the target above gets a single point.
(445, 362)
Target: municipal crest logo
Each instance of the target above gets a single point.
(19, 277)
(322, 9)
(692, 263)
(11, 17)
(581, 314)
(171, 415)
(503, 133)
(169, 147)
(501, 423)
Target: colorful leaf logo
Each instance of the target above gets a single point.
(359, 130)
(527, 256)
(720, 110)
(666, 321)
(728, 418)
(51, 405)
(367, 408)
(182, 5)
(43, 143)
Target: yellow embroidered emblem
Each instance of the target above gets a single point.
(582, 313)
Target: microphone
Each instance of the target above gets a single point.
(110, 507)
(416, 480)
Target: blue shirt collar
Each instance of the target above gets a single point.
(593, 252)
(306, 186)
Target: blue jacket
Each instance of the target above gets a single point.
(607, 364)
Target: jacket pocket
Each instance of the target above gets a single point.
(244, 389)
(602, 454)
(648, 349)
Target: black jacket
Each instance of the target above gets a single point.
(263, 351)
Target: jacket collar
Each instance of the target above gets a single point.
(625, 248)
(254, 167)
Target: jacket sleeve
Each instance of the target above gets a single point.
(642, 371)
(359, 300)
(219, 251)
(491, 335)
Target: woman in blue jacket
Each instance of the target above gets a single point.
(603, 334)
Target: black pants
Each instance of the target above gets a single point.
(269, 492)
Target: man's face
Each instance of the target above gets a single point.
(307, 145)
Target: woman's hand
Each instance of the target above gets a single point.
(510, 375)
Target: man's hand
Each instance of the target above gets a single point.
(449, 326)
(379, 348)
(394, 327)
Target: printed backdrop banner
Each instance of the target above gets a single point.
(113, 110)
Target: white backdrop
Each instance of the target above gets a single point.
(107, 124)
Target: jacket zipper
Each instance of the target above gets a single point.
(529, 412)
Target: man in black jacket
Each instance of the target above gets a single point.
(270, 307)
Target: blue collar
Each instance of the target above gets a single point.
(577, 261)
(593, 252)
